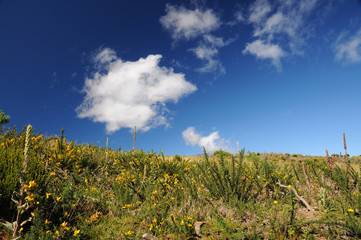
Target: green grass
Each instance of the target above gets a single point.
(90, 192)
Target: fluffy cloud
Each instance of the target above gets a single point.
(183, 23)
(280, 23)
(212, 142)
(126, 94)
(264, 50)
(349, 49)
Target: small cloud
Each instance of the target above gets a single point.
(54, 80)
(207, 50)
(104, 56)
(208, 55)
(239, 16)
(126, 94)
(211, 143)
(258, 11)
(265, 51)
(348, 48)
(186, 24)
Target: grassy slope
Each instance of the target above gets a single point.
(88, 192)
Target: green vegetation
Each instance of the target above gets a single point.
(4, 118)
(220, 153)
(73, 191)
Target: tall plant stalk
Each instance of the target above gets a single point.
(22, 205)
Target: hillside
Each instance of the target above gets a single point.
(65, 190)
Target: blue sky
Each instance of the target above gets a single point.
(277, 76)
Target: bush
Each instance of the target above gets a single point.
(221, 152)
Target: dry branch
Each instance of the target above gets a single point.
(308, 206)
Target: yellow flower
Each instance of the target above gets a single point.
(32, 184)
(47, 221)
(21, 229)
(48, 195)
(64, 224)
(58, 199)
(129, 233)
(154, 220)
(76, 232)
(289, 186)
(350, 210)
(275, 202)
(30, 198)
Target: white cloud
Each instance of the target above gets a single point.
(211, 143)
(207, 50)
(258, 11)
(104, 56)
(283, 23)
(348, 49)
(127, 94)
(208, 54)
(265, 51)
(187, 24)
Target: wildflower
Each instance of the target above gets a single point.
(275, 202)
(30, 199)
(155, 220)
(21, 229)
(289, 186)
(76, 232)
(47, 231)
(48, 195)
(129, 233)
(182, 223)
(64, 224)
(32, 184)
(350, 210)
(58, 199)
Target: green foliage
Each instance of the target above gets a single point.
(177, 158)
(4, 118)
(89, 192)
(223, 153)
